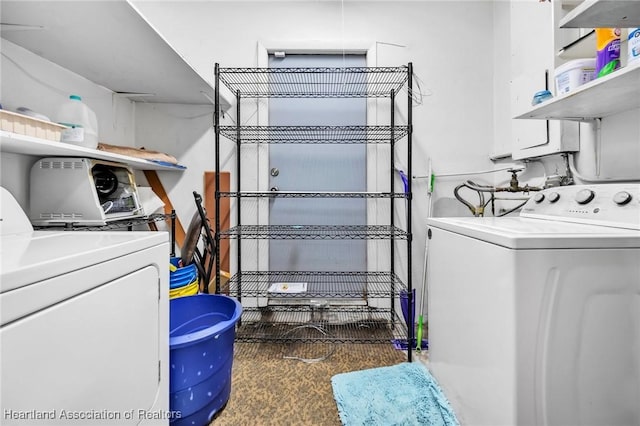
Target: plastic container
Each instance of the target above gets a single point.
(30, 126)
(607, 51)
(81, 122)
(182, 275)
(202, 333)
(186, 290)
(183, 281)
(633, 46)
(540, 97)
(573, 74)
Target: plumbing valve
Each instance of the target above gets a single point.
(514, 185)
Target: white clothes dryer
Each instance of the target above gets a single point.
(535, 320)
(83, 325)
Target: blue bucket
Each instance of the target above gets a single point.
(201, 355)
(183, 276)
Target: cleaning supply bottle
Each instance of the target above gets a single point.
(608, 51)
(633, 46)
(81, 122)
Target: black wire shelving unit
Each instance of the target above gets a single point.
(314, 134)
(320, 284)
(307, 194)
(335, 306)
(348, 82)
(299, 324)
(315, 232)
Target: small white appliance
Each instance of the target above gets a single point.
(535, 320)
(83, 325)
(82, 191)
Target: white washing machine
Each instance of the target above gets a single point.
(535, 320)
(83, 325)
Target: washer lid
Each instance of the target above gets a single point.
(526, 233)
(35, 256)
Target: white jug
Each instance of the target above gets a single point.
(81, 122)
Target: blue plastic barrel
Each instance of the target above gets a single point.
(202, 332)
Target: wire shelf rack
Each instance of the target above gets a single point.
(314, 134)
(319, 284)
(376, 82)
(310, 313)
(307, 194)
(316, 324)
(315, 232)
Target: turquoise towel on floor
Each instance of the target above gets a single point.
(403, 394)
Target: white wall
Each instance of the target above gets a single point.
(449, 42)
(30, 81)
(186, 132)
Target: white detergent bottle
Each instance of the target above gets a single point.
(81, 122)
(633, 46)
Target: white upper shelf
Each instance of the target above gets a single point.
(109, 43)
(614, 93)
(603, 14)
(29, 145)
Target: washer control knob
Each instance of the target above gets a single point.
(621, 198)
(539, 197)
(584, 196)
(553, 197)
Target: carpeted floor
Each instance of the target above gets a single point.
(268, 389)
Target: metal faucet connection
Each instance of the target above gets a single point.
(478, 210)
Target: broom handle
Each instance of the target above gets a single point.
(424, 279)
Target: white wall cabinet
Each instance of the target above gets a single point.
(606, 96)
(532, 69)
(606, 109)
